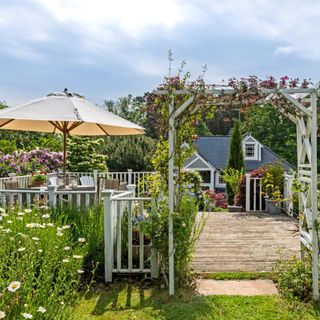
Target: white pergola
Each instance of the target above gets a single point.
(305, 119)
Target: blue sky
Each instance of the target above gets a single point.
(107, 49)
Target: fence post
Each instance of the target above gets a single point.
(95, 177)
(129, 176)
(108, 234)
(248, 177)
(132, 188)
(52, 196)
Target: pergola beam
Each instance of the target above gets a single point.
(297, 104)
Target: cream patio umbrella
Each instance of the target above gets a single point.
(67, 113)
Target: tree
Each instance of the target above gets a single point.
(83, 155)
(235, 160)
(272, 129)
(131, 152)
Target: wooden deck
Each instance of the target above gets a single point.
(233, 242)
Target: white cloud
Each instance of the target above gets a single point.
(285, 50)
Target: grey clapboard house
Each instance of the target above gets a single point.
(212, 157)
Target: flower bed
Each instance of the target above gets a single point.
(40, 265)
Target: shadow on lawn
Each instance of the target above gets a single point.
(131, 296)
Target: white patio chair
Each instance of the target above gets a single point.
(87, 181)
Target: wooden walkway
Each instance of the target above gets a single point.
(233, 242)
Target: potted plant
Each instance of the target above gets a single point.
(233, 177)
(273, 196)
(272, 192)
(38, 179)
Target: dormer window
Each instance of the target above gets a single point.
(250, 150)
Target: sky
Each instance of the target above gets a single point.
(107, 49)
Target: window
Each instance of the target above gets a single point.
(206, 176)
(219, 180)
(250, 150)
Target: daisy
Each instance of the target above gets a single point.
(20, 213)
(14, 286)
(42, 309)
(80, 271)
(66, 248)
(65, 260)
(2, 314)
(82, 240)
(50, 224)
(2, 210)
(46, 216)
(35, 239)
(40, 250)
(59, 234)
(19, 218)
(27, 315)
(66, 227)
(21, 249)
(27, 210)
(77, 257)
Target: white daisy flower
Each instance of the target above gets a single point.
(2, 210)
(80, 271)
(21, 213)
(1, 218)
(14, 286)
(27, 210)
(46, 216)
(59, 234)
(62, 302)
(6, 230)
(27, 315)
(40, 250)
(82, 240)
(65, 260)
(77, 256)
(66, 227)
(2, 314)
(4, 214)
(12, 238)
(19, 218)
(21, 249)
(66, 248)
(42, 309)
(35, 239)
(50, 224)
(9, 221)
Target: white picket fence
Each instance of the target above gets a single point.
(120, 210)
(51, 196)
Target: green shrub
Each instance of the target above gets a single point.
(40, 265)
(294, 279)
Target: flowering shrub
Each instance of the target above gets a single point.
(218, 198)
(25, 162)
(40, 265)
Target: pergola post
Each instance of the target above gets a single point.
(314, 199)
(171, 140)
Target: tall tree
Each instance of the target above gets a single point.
(235, 159)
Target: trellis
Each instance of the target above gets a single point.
(305, 118)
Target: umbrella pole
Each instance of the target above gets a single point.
(64, 153)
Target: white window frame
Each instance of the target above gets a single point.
(218, 184)
(255, 149)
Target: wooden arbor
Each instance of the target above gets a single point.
(301, 108)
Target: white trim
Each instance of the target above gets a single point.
(198, 157)
(218, 184)
(257, 148)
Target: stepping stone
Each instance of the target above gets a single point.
(208, 287)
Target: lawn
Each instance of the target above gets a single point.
(129, 301)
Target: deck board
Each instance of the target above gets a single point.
(232, 242)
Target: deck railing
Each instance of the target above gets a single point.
(121, 254)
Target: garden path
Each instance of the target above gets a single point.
(238, 242)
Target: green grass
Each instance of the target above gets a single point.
(237, 275)
(129, 301)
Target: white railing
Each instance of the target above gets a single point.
(51, 196)
(254, 197)
(121, 254)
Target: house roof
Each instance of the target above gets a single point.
(215, 150)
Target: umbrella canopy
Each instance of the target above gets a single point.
(67, 113)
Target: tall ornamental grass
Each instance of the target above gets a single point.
(40, 265)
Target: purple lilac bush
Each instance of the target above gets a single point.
(26, 162)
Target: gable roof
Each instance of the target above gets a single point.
(215, 150)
